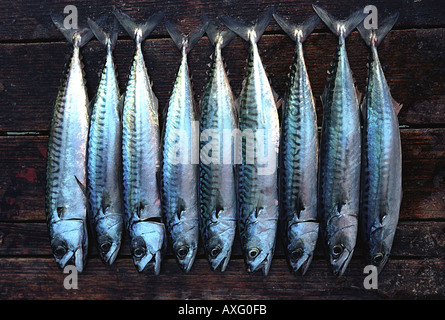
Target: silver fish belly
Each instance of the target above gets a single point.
(104, 165)
(141, 163)
(66, 204)
(298, 167)
(141, 155)
(381, 191)
(258, 189)
(340, 149)
(217, 170)
(180, 170)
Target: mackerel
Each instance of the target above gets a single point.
(217, 167)
(180, 166)
(299, 155)
(141, 155)
(257, 183)
(66, 203)
(381, 189)
(340, 151)
(105, 155)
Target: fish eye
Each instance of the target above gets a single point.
(296, 254)
(60, 251)
(337, 250)
(182, 252)
(105, 246)
(253, 253)
(215, 251)
(378, 258)
(139, 252)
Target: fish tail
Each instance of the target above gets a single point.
(297, 32)
(216, 35)
(104, 37)
(85, 33)
(341, 27)
(185, 41)
(138, 31)
(375, 36)
(246, 31)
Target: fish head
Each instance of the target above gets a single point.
(69, 242)
(380, 242)
(302, 239)
(108, 234)
(147, 243)
(218, 243)
(341, 243)
(185, 251)
(258, 254)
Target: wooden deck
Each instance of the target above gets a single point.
(32, 58)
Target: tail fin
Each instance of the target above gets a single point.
(104, 37)
(84, 33)
(139, 31)
(182, 40)
(339, 27)
(377, 35)
(215, 34)
(246, 31)
(300, 32)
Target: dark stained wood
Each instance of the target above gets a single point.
(29, 83)
(33, 54)
(31, 21)
(401, 279)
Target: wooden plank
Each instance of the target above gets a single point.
(32, 72)
(22, 176)
(31, 21)
(40, 278)
(414, 239)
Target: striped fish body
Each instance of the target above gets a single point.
(180, 170)
(66, 205)
(381, 193)
(340, 149)
(298, 167)
(217, 169)
(258, 189)
(141, 165)
(104, 164)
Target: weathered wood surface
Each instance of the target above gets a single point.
(29, 84)
(33, 55)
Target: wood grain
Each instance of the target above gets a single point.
(33, 55)
(40, 278)
(31, 20)
(32, 72)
